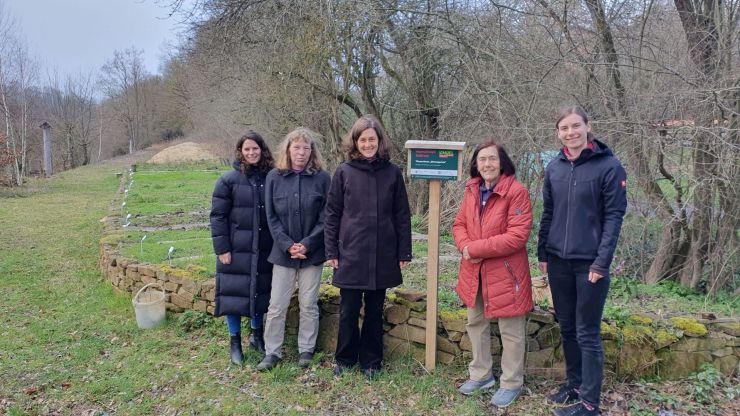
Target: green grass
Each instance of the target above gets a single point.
(170, 192)
(193, 249)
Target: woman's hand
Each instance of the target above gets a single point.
(594, 277)
(467, 257)
(225, 258)
(333, 263)
(403, 263)
(543, 267)
(298, 251)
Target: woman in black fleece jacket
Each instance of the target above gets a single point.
(584, 200)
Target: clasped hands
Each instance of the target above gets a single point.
(298, 251)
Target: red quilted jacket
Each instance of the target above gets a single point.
(499, 237)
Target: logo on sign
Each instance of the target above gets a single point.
(446, 153)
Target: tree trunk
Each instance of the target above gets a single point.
(670, 256)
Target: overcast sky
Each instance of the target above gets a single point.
(81, 35)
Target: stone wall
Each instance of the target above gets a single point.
(644, 346)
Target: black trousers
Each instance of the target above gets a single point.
(360, 345)
(579, 305)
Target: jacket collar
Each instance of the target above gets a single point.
(305, 172)
(501, 188)
(599, 150)
(364, 164)
(251, 170)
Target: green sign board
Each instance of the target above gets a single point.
(434, 164)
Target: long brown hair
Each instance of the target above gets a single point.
(266, 161)
(315, 162)
(363, 123)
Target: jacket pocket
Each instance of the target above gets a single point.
(280, 205)
(512, 275)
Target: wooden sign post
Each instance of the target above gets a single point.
(435, 161)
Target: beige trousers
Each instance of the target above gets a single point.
(513, 341)
(283, 285)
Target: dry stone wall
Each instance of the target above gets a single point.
(645, 346)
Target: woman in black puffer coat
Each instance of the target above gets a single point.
(242, 242)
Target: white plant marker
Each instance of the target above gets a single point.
(141, 245)
(169, 254)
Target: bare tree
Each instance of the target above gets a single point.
(122, 80)
(72, 109)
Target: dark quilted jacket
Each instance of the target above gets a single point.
(239, 226)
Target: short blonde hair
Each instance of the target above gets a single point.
(315, 162)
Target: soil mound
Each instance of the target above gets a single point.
(187, 151)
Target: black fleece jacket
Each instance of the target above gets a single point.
(584, 202)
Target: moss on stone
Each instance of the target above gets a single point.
(641, 320)
(637, 334)
(689, 326)
(609, 332)
(328, 292)
(112, 238)
(451, 315)
(664, 338)
(192, 272)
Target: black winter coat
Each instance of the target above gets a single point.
(583, 204)
(295, 213)
(239, 226)
(368, 225)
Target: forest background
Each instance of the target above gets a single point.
(659, 78)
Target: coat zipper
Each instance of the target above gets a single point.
(567, 211)
(513, 276)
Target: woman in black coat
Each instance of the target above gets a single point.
(368, 241)
(242, 242)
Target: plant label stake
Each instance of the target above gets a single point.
(435, 161)
(169, 254)
(141, 245)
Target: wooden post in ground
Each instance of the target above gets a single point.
(435, 186)
(436, 161)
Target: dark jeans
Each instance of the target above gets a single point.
(354, 344)
(578, 306)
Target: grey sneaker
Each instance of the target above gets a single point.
(471, 386)
(504, 397)
(268, 363)
(304, 359)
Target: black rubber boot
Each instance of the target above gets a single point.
(237, 357)
(257, 339)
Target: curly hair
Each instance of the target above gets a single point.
(266, 161)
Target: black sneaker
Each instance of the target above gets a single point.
(577, 409)
(564, 395)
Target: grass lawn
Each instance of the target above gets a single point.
(69, 342)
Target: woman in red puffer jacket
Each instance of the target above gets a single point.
(491, 230)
